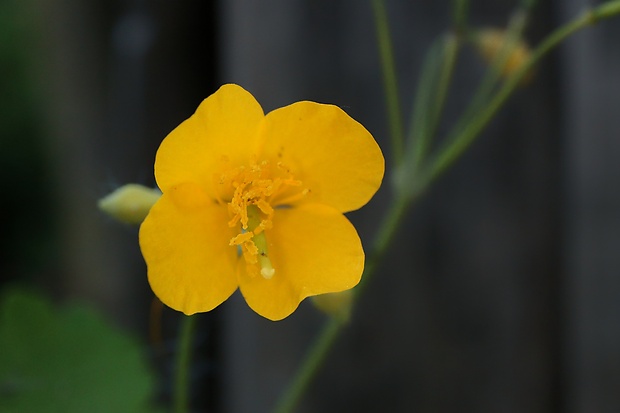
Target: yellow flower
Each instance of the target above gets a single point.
(256, 202)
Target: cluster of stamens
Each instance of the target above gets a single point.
(257, 189)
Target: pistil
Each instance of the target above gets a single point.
(256, 224)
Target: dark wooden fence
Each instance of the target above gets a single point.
(502, 293)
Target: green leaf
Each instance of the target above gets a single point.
(67, 360)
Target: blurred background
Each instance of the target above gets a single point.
(502, 293)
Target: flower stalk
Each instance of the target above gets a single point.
(312, 363)
(465, 137)
(180, 397)
(404, 199)
(390, 81)
(319, 350)
(430, 99)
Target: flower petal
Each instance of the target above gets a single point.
(314, 250)
(224, 127)
(331, 153)
(184, 241)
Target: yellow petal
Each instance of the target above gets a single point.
(224, 127)
(314, 249)
(331, 153)
(184, 241)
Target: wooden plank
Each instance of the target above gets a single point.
(591, 123)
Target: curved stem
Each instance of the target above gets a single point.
(494, 73)
(389, 80)
(464, 139)
(312, 363)
(388, 229)
(450, 53)
(180, 396)
(427, 120)
(460, 8)
(327, 336)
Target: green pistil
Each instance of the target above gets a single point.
(260, 240)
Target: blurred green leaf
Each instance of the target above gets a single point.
(67, 360)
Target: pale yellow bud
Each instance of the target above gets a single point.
(335, 304)
(130, 203)
(490, 42)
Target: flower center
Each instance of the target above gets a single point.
(257, 189)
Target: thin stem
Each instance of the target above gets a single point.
(605, 11)
(393, 218)
(433, 89)
(319, 350)
(464, 139)
(389, 227)
(430, 98)
(312, 363)
(390, 82)
(450, 53)
(181, 383)
(419, 131)
(460, 9)
(494, 73)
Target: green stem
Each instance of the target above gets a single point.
(307, 371)
(429, 102)
(460, 9)
(430, 97)
(606, 10)
(464, 139)
(390, 82)
(388, 229)
(451, 48)
(422, 114)
(327, 336)
(494, 73)
(180, 397)
(319, 350)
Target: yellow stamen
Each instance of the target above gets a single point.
(254, 190)
(241, 238)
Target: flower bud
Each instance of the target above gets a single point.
(335, 304)
(490, 43)
(130, 203)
